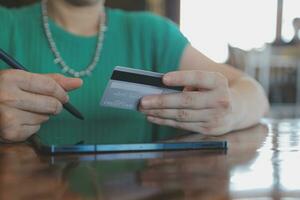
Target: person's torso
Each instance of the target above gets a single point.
(123, 45)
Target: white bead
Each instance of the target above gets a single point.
(71, 71)
(82, 73)
(65, 70)
(58, 59)
(88, 73)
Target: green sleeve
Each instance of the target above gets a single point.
(168, 44)
(6, 25)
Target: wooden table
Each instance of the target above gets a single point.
(262, 162)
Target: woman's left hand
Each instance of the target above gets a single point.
(205, 106)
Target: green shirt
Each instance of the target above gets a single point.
(139, 40)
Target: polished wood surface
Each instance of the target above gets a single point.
(262, 162)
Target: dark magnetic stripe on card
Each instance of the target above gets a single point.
(141, 79)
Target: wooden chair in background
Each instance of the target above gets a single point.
(277, 68)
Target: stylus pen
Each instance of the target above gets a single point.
(16, 65)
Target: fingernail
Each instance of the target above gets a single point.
(67, 98)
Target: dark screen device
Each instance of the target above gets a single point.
(119, 148)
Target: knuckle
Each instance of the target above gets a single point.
(161, 102)
(56, 107)
(187, 99)
(56, 77)
(11, 134)
(50, 86)
(182, 115)
(224, 102)
(29, 81)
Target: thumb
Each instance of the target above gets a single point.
(66, 83)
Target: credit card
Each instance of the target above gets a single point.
(127, 86)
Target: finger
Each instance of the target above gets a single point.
(66, 83)
(21, 117)
(183, 100)
(31, 119)
(20, 133)
(29, 130)
(36, 103)
(198, 127)
(41, 84)
(186, 115)
(198, 79)
(175, 124)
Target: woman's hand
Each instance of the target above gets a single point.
(205, 106)
(27, 100)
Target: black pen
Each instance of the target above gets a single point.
(16, 65)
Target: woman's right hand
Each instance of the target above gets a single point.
(27, 100)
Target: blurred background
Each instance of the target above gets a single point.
(260, 37)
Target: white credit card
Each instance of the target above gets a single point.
(127, 86)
